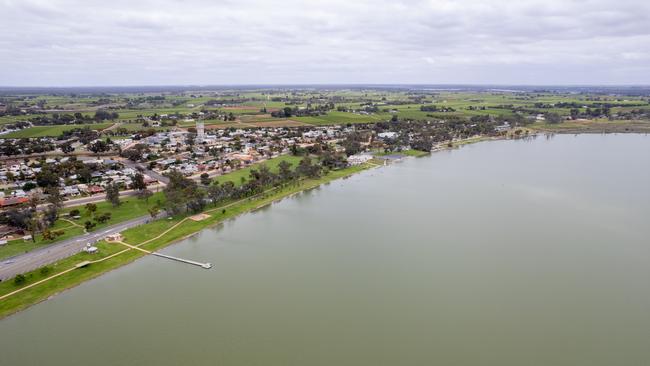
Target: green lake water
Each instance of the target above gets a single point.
(499, 253)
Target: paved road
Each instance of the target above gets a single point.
(22, 263)
(137, 166)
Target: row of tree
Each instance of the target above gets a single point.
(185, 195)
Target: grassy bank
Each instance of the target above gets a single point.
(151, 236)
(594, 126)
(411, 152)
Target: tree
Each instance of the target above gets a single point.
(553, 118)
(153, 211)
(177, 191)
(99, 146)
(89, 225)
(102, 115)
(287, 111)
(215, 192)
(34, 225)
(47, 178)
(113, 194)
(45, 270)
(51, 235)
(103, 217)
(333, 161)
(352, 145)
(91, 208)
(285, 171)
(28, 186)
(422, 143)
(74, 213)
(205, 179)
(136, 152)
(183, 194)
(84, 174)
(19, 279)
(306, 168)
(54, 196)
(34, 200)
(144, 194)
(138, 182)
(50, 215)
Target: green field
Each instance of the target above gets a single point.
(272, 164)
(246, 105)
(341, 118)
(51, 131)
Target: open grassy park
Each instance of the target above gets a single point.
(237, 175)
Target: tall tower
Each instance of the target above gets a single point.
(200, 131)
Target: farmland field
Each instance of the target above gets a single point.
(340, 118)
(51, 131)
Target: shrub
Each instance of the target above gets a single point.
(19, 279)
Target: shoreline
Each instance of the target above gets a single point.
(65, 279)
(12, 305)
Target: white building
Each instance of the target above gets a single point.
(200, 131)
(359, 159)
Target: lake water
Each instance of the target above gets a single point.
(500, 253)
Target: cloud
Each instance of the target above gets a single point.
(70, 42)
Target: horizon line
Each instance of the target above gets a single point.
(319, 84)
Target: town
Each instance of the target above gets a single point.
(81, 169)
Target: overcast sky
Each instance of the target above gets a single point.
(163, 42)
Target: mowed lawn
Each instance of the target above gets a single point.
(272, 164)
(51, 131)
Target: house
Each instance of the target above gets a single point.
(95, 189)
(504, 127)
(12, 201)
(359, 159)
(70, 191)
(114, 237)
(387, 135)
